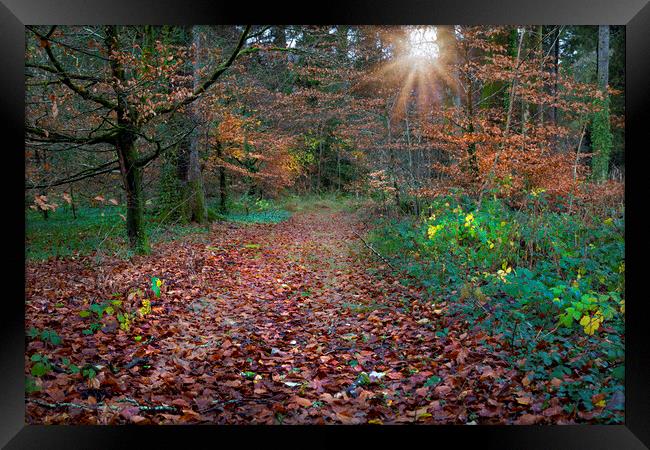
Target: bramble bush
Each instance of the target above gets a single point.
(551, 283)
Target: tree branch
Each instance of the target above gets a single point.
(210, 81)
(88, 173)
(55, 137)
(66, 78)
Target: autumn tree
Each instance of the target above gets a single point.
(115, 98)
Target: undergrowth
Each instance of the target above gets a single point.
(550, 284)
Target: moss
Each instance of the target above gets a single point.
(198, 208)
(601, 136)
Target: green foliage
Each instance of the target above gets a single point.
(116, 307)
(260, 217)
(41, 366)
(145, 309)
(31, 386)
(601, 138)
(155, 285)
(432, 381)
(95, 230)
(63, 236)
(170, 194)
(45, 335)
(550, 279)
(89, 372)
(249, 209)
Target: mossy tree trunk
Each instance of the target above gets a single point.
(193, 205)
(601, 133)
(223, 186)
(131, 167)
(132, 180)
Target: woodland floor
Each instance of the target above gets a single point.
(308, 328)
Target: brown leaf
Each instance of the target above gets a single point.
(302, 401)
(422, 392)
(552, 411)
(528, 419)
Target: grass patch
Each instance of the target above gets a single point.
(315, 202)
(270, 216)
(95, 230)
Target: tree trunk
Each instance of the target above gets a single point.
(540, 49)
(342, 38)
(601, 132)
(130, 169)
(194, 207)
(74, 207)
(556, 73)
(320, 159)
(132, 180)
(223, 188)
(471, 148)
(603, 56)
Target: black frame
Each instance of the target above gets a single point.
(635, 14)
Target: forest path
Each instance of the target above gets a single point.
(288, 323)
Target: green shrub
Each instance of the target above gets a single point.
(548, 279)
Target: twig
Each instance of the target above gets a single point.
(145, 408)
(374, 251)
(514, 333)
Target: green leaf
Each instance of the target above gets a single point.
(39, 369)
(36, 357)
(363, 379)
(432, 381)
(155, 287)
(619, 372)
(97, 309)
(84, 313)
(51, 336)
(31, 386)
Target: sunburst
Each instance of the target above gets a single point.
(418, 72)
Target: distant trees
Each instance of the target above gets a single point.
(318, 108)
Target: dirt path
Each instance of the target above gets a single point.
(287, 323)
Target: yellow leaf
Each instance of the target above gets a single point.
(523, 400)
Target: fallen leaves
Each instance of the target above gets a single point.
(301, 334)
